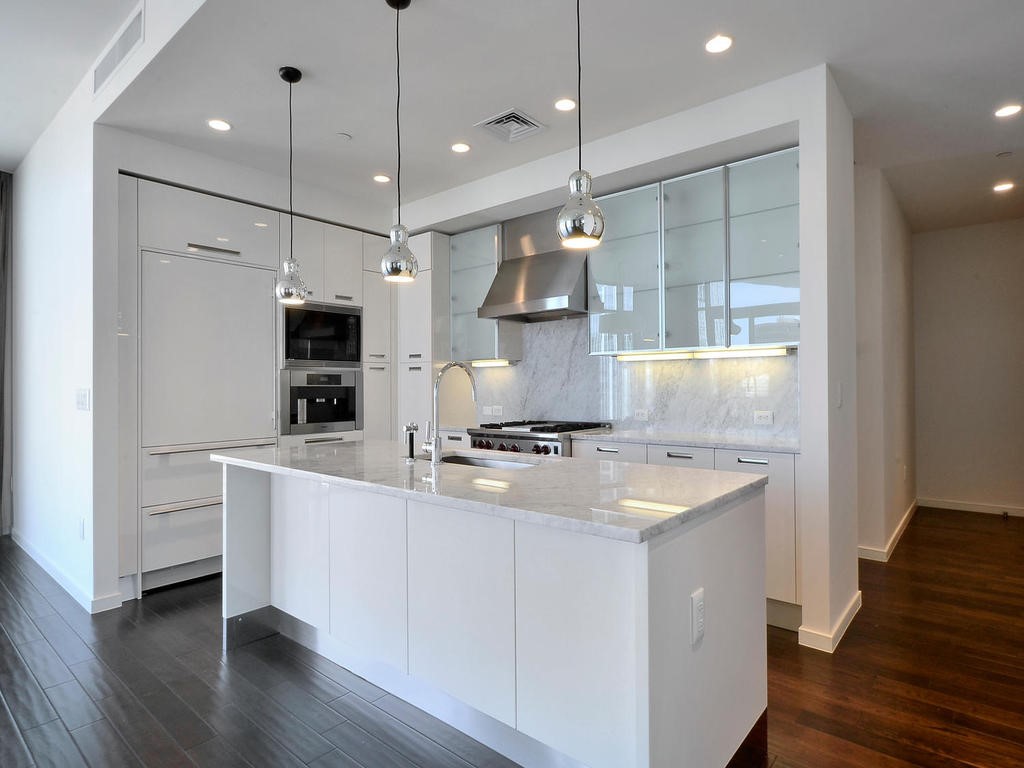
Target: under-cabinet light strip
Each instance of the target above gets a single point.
(709, 354)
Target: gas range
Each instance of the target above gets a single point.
(548, 438)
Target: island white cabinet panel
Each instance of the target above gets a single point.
(610, 451)
(377, 401)
(415, 343)
(377, 295)
(780, 514)
(343, 265)
(369, 607)
(691, 457)
(576, 656)
(207, 351)
(462, 606)
(174, 219)
(299, 549)
(173, 534)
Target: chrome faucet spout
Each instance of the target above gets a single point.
(435, 452)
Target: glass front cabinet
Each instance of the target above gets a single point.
(708, 260)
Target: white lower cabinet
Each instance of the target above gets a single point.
(610, 451)
(691, 457)
(181, 532)
(462, 606)
(299, 549)
(780, 515)
(369, 607)
(326, 438)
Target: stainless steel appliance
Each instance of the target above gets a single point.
(545, 286)
(321, 400)
(322, 335)
(549, 438)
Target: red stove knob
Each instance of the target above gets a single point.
(545, 449)
(501, 447)
(536, 448)
(478, 443)
(514, 448)
(488, 444)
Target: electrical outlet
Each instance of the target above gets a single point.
(83, 399)
(641, 414)
(764, 418)
(81, 528)
(488, 410)
(497, 410)
(696, 616)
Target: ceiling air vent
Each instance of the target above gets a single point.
(511, 125)
(126, 42)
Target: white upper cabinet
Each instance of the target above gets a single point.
(414, 342)
(377, 296)
(307, 247)
(343, 265)
(175, 219)
(374, 247)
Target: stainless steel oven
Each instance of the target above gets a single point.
(322, 335)
(321, 400)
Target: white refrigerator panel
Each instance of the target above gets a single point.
(207, 351)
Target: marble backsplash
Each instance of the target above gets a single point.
(559, 379)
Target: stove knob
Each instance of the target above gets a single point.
(488, 444)
(478, 443)
(536, 448)
(514, 448)
(501, 447)
(545, 449)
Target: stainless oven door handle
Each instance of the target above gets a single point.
(206, 447)
(300, 417)
(324, 440)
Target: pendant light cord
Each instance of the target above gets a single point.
(398, 114)
(291, 208)
(579, 89)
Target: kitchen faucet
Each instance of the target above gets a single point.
(433, 444)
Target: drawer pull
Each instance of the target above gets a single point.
(324, 440)
(212, 249)
(415, 355)
(602, 449)
(378, 354)
(761, 462)
(339, 297)
(207, 447)
(674, 455)
(415, 367)
(456, 438)
(181, 506)
(377, 368)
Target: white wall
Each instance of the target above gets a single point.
(759, 119)
(968, 326)
(885, 372)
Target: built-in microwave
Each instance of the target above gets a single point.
(324, 335)
(321, 400)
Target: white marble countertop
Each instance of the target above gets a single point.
(616, 500)
(768, 443)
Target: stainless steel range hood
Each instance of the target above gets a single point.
(545, 286)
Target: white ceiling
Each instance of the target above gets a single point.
(46, 47)
(922, 78)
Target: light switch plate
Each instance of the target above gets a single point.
(764, 418)
(83, 399)
(497, 410)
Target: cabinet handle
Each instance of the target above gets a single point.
(377, 368)
(339, 297)
(378, 354)
(761, 462)
(322, 440)
(204, 447)
(415, 367)
(674, 455)
(181, 506)
(212, 249)
(416, 355)
(602, 449)
(456, 438)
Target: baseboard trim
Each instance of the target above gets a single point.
(970, 506)
(883, 555)
(107, 602)
(820, 641)
(69, 585)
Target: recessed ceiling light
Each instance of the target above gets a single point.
(1003, 186)
(1008, 110)
(565, 105)
(380, 178)
(219, 125)
(223, 239)
(460, 147)
(718, 44)
(260, 224)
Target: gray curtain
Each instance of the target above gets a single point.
(6, 191)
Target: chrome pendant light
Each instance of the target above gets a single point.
(290, 289)
(399, 265)
(580, 222)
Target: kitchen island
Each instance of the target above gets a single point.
(546, 607)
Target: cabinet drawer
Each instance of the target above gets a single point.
(173, 219)
(173, 534)
(332, 438)
(681, 456)
(181, 472)
(610, 451)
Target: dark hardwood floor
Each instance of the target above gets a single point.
(931, 673)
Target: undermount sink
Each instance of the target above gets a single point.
(477, 461)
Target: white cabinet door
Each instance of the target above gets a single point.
(343, 265)
(462, 606)
(175, 219)
(374, 247)
(369, 598)
(414, 399)
(308, 250)
(377, 295)
(207, 359)
(174, 534)
(414, 320)
(688, 456)
(780, 514)
(299, 549)
(422, 247)
(377, 401)
(610, 451)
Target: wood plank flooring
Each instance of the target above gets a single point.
(930, 674)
